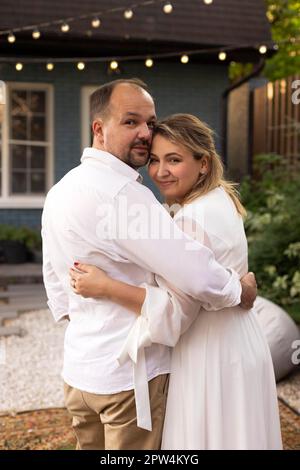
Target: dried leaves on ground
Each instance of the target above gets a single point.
(51, 430)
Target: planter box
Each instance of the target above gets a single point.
(13, 252)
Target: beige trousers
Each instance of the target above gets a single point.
(109, 421)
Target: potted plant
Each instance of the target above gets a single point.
(33, 241)
(12, 248)
(19, 244)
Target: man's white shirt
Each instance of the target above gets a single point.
(99, 213)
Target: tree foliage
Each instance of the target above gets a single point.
(284, 18)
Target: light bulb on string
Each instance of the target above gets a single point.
(36, 34)
(208, 2)
(222, 56)
(263, 49)
(19, 66)
(128, 14)
(184, 59)
(168, 8)
(96, 22)
(11, 38)
(65, 27)
(149, 63)
(81, 65)
(50, 66)
(114, 65)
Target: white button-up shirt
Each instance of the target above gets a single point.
(99, 213)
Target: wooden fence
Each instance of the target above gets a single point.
(276, 120)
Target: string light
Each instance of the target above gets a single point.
(81, 65)
(65, 27)
(128, 14)
(149, 62)
(96, 22)
(263, 49)
(282, 87)
(184, 59)
(19, 66)
(168, 8)
(11, 38)
(208, 2)
(270, 91)
(50, 66)
(114, 65)
(36, 34)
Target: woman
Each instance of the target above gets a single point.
(222, 392)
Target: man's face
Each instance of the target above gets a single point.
(127, 130)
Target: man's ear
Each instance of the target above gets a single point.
(97, 128)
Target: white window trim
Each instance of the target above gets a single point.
(8, 201)
(86, 92)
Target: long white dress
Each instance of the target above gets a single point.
(222, 391)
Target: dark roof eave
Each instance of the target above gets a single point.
(83, 48)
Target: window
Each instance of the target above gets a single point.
(27, 145)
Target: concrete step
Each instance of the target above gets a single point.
(23, 307)
(12, 330)
(22, 297)
(27, 273)
(24, 287)
(18, 296)
(9, 315)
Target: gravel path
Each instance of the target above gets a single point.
(30, 366)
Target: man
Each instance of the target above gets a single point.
(76, 227)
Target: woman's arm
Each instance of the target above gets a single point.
(169, 312)
(90, 281)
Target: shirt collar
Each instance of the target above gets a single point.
(106, 158)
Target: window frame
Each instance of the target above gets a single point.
(86, 92)
(24, 201)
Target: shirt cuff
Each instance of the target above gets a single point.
(57, 313)
(230, 295)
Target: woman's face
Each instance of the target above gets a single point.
(173, 168)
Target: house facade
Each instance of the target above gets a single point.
(44, 123)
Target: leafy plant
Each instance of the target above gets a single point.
(272, 199)
(31, 238)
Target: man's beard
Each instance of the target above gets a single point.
(136, 159)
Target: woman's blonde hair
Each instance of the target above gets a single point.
(197, 137)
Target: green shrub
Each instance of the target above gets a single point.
(31, 238)
(272, 199)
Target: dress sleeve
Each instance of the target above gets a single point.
(168, 312)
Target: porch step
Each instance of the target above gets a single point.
(23, 307)
(12, 330)
(26, 273)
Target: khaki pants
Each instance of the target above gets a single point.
(109, 421)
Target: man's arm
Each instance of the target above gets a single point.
(166, 251)
(58, 301)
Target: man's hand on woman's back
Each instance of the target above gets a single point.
(249, 291)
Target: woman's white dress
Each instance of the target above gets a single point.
(222, 392)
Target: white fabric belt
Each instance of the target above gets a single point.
(136, 341)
